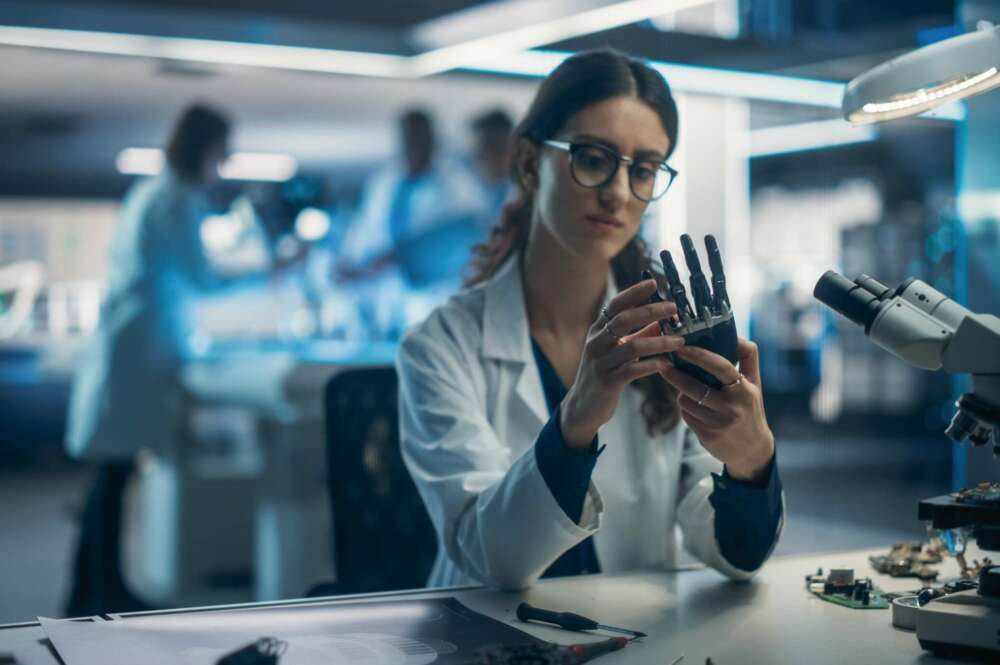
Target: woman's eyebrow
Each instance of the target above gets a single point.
(654, 154)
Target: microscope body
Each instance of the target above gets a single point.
(924, 327)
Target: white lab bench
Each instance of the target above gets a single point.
(695, 613)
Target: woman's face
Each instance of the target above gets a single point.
(214, 158)
(597, 223)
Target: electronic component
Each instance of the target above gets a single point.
(983, 494)
(908, 560)
(708, 324)
(840, 587)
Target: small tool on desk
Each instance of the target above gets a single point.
(548, 654)
(568, 620)
(265, 651)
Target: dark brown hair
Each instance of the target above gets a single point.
(198, 130)
(579, 82)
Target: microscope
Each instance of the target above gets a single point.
(928, 330)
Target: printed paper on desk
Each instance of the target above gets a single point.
(417, 632)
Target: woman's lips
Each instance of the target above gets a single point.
(604, 222)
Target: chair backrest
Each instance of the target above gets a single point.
(383, 538)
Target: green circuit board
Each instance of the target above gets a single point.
(876, 601)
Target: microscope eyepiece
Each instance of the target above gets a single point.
(962, 425)
(874, 287)
(857, 301)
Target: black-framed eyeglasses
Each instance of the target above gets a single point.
(594, 166)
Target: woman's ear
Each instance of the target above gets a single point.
(526, 164)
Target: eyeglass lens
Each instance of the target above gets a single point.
(593, 166)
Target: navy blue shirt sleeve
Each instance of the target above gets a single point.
(566, 471)
(747, 516)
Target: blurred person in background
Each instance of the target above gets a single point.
(127, 395)
(416, 223)
(491, 157)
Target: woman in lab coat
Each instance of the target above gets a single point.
(545, 430)
(125, 395)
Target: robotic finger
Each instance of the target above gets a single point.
(699, 285)
(718, 275)
(655, 298)
(676, 287)
(710, 324)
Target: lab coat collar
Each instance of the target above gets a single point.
(507, 337)
(506, 334)
(505, 319)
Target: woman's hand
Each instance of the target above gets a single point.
(729, 421)
(623, 344)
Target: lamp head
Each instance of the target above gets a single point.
(921, 80)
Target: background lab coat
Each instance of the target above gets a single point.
(448, 192)
(125, 393)
(471, 407)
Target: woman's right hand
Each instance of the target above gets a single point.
(621, 347)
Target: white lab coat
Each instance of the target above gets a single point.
(126, 389)
(471, 407)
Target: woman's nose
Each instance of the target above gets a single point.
(616, 192)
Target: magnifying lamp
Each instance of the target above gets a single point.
(920, 80)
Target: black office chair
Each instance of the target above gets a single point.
(383, 539)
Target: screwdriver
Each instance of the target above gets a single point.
(568, 620)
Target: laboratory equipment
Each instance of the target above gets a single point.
(929, 330)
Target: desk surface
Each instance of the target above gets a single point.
(772, 621)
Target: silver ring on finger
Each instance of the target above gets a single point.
(606, 316)
(708, 391)
(733, 384)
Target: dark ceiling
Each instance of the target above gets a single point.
(775, 35)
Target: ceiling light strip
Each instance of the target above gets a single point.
(272, 56)
(256, 166)
(534, 63)
(540, 33)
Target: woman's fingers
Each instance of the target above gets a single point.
(651, 330)
(689, 386)
(639, 369)
(701, 421)
(639, 347)
(624, 322)
(623, 325)
(634, 295)
(713, 363)
(705, 416)
(749, 360)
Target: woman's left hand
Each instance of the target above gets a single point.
(729, 421)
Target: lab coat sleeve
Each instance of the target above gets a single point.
(495, 516)
(171, 236)
(695, 513)
(367, 236)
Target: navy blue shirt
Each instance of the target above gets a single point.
(746, 515)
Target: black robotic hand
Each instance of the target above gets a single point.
(709, 324)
